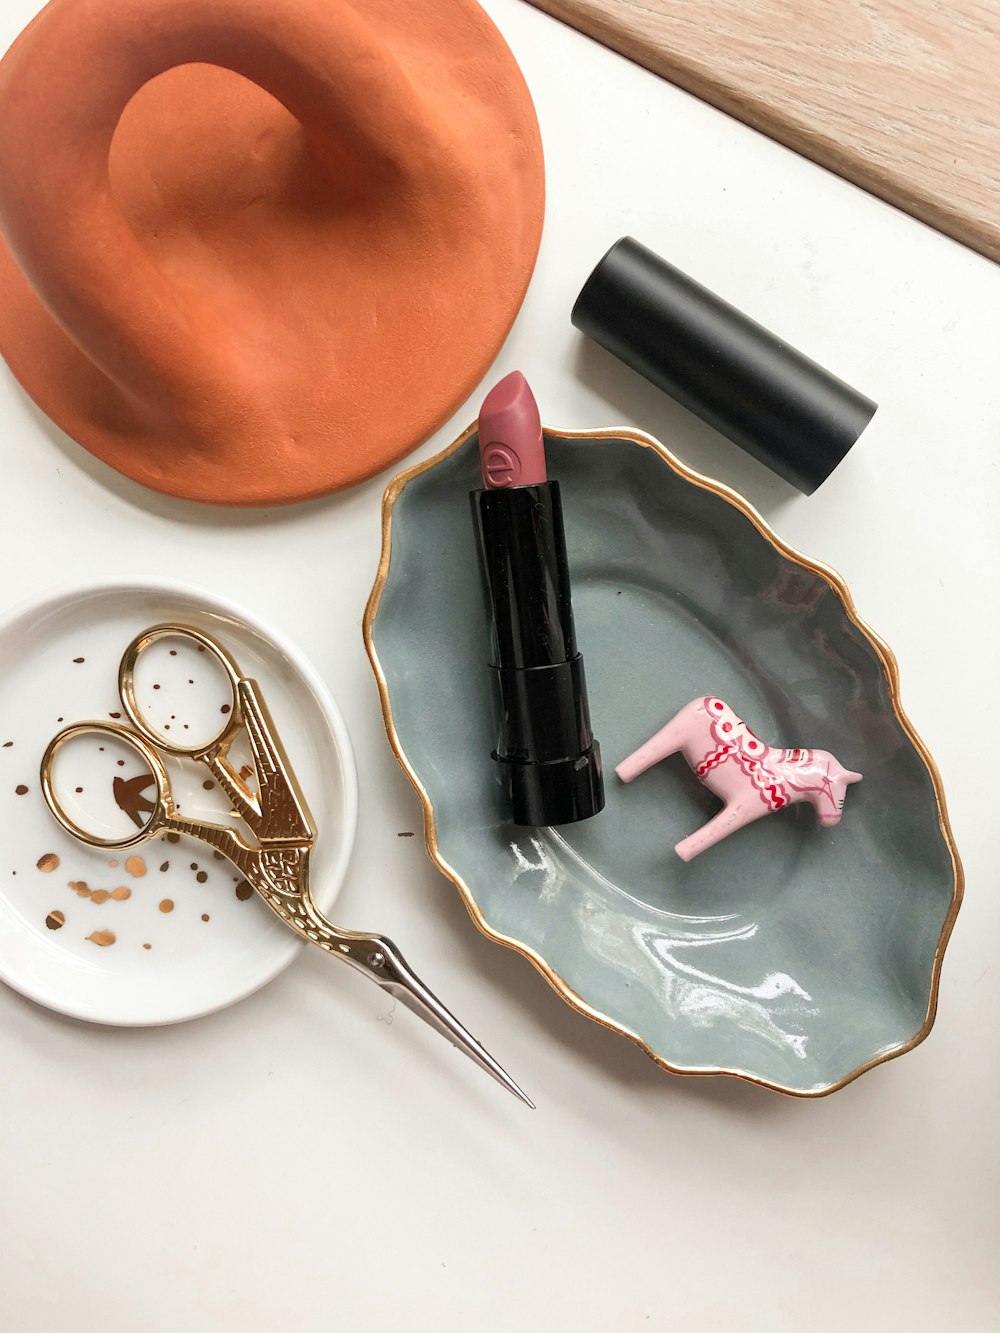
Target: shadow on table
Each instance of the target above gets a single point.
(192, 512)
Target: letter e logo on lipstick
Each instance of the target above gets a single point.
(501, 466)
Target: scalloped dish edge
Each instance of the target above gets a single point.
(890, 668)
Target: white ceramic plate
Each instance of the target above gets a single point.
(58, 665)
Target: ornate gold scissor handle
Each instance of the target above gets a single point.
(277, 862)
(277, 811)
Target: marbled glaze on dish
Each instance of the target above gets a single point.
(792, 956)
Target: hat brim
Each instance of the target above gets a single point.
(355, 322)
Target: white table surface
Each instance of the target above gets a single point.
(293, 1163)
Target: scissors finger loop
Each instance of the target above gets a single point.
(201, 747)
(124, 736)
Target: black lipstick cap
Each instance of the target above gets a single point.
(782, 408)
(548, 760)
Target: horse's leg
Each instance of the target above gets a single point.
(728, 820)
(667, 741)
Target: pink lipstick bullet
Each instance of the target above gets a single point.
(511, 449)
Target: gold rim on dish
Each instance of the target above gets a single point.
(890, 668)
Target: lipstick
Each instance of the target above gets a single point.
(547, 758)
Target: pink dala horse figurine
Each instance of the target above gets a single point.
(750, 777)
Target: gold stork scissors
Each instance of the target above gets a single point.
(276, 863)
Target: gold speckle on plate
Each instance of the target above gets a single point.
(80, 887)
(201, 877)
(21, 789)
(147, 946)
(47, 863)
(102, 937)
(204, 916)
(244, 890)
(121, 894)
(55, 919)
(136, 867)
(167, 905)
(99, 897)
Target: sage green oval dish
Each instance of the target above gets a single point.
(790, 955)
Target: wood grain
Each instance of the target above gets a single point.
(899, 96)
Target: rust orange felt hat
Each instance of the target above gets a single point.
(256, 250)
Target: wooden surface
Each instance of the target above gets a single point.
(899, 96)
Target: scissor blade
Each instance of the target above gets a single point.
(405, 986)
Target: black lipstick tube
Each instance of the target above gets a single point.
(549, 761)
